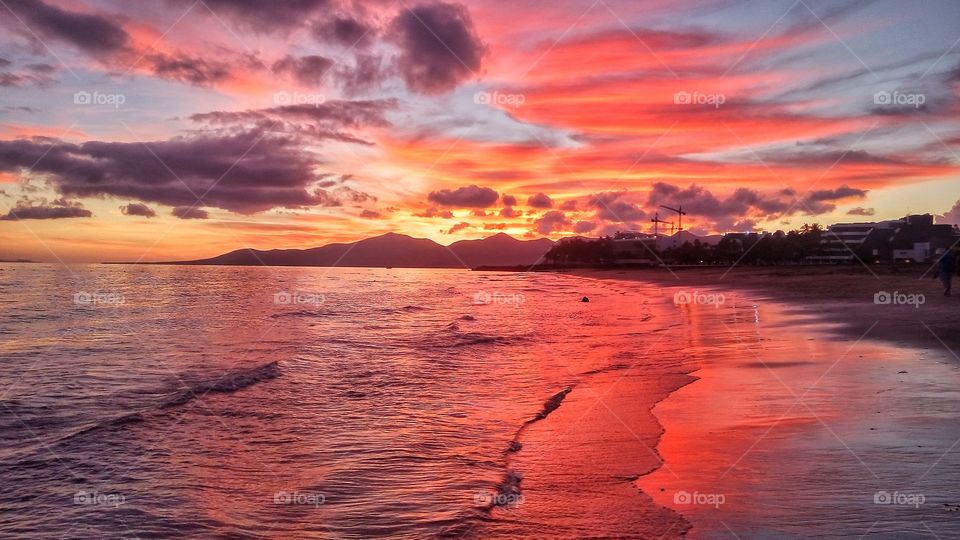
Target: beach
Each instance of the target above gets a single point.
(916, 313)
(835, 418)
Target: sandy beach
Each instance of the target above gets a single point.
(845, 295)
(818, 412)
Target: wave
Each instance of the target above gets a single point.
(230, 382)
(508, 491)
(105, 424)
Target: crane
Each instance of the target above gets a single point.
(680, 214)
(656, 221)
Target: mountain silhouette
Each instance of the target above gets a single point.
(395, 250)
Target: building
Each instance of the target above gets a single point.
(631, 247)
(911, 239)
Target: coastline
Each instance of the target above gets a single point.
(843, 295)
(762, 429)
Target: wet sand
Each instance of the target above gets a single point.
(801, 422)
(840, 294)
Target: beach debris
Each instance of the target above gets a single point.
(584, 299)
(904, 371)
(515, 446)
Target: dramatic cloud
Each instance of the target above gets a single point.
(371, 214)
(540, 200)
(746, 204)
(509, 212)
(439, 47)
(472, 196)
(188, 69)
(860, 211)
(459, 227)
(952, 216)
(309, 70)
(263, 15)
(58, 209)
(91, 33)
(189, 212)
(615, 206)
(509, 200)
(138, 209)
(246, 172)
(344, 30)
(551, 222)
(582, 227)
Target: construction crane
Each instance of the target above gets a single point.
(657, 221)
(680, 214)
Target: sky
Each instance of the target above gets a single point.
(175, 129)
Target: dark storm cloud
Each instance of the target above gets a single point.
(91, 33)
(245, 172)
(439, 46)
(472, 196)
(137, 209)
(190, 212)
(309, 70)
(344, 30)
(58, 209)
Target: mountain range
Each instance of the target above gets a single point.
(396, 250)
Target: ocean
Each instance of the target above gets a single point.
(241, 402)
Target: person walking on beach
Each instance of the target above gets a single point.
(948, 265)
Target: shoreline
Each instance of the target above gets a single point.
(778, 468)
(844, 296)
